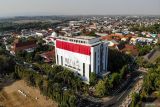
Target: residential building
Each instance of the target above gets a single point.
(48, 56)
(20, 45)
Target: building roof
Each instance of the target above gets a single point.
(85, 40)
(85, 37)
(48, 56)
(19, 45)
(106, 38)
(115, 42)
(131, 49)
(22, 44)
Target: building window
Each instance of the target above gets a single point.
(106, 58)
(57, 60)
(95, 60)
(61, 60)
(89, 69)
(98, 69)
(83, 69)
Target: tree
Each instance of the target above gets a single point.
(116, 60)
(93, 78)
(158, 61)
(53, 84)
(100, 88)
(29, 57)
(108, 84)
(76, 83)
(124, 71)
(115, 79)
(157, 83)
(10, 40)
(92, 33)
(151, 80)
(32, 80)
(6, 64)
(2, 49)
(122, 45)
(72, 101)
(38, 58)
(135, 99)
(141, 62)
(143, 50)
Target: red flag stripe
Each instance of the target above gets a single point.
(77, 48)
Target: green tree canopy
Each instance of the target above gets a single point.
(100, 88)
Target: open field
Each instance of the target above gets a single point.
(26, 21)
(35, 21)
(19, 94)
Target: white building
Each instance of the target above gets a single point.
(82, 54)
(50, 40)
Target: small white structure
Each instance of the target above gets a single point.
(112, 43)
(22, 93)
(54, 34)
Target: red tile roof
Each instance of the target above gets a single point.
(116, 37)
(130, 48)
(18, 45)
(48, 56)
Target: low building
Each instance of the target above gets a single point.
(130, 49)
(49, 56)
(82, 54)
(20, 45)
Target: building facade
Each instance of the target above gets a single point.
(82, 54)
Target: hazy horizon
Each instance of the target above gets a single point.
(11, 8)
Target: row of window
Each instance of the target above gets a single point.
(77, 41)
(73, 40)
(95, 61)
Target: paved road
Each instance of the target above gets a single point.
(119, 97)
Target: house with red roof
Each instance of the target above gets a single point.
(130, 49)
(19, 45)
(48, 56)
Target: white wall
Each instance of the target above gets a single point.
(75, 60)
(74, 57)
(97, 50)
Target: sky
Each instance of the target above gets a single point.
(78, 7)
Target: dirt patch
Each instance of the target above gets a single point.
(19, 94)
